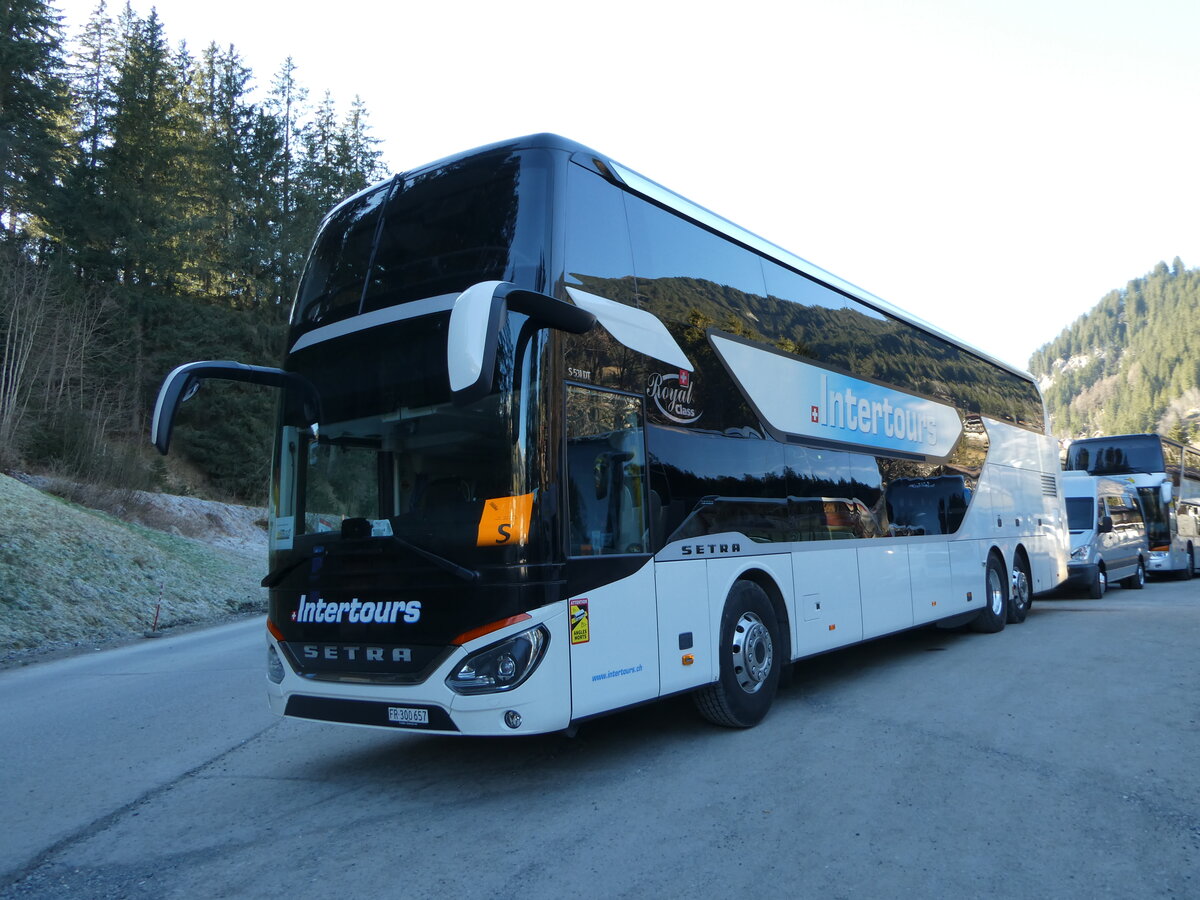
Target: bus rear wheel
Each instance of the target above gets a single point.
(750, 662)
(1020, 592)
(1189, 570)
(994, 614)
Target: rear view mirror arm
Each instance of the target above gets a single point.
(183, 382)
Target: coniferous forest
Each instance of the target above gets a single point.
(156, 205)
(1132, 363)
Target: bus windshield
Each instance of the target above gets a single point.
(393, 458)
(1081, 513)
(427, 235)
(1117, 456)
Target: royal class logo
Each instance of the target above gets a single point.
(357, 612)
(672, 394)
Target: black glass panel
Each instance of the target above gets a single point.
(1081, 513)
(447, 230)
(332, 286)
(1122, 455)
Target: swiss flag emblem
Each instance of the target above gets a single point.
(816, 414)
(684, 377)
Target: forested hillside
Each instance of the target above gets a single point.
(1132, 363)
(154, 208)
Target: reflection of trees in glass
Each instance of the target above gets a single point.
(862, 342)
(341, 483)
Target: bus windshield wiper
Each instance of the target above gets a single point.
(276, 575)
(440, 561)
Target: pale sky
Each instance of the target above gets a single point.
(992, 167)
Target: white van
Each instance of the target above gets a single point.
(1108, 534)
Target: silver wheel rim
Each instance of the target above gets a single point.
(995, 591)
(753, 652)
(1020, 589)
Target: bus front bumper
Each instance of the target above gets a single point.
(540, 704)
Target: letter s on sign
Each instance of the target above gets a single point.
(412, 612)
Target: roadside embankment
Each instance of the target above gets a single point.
(71, 576)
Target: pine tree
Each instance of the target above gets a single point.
(33, 113)
(285, 106)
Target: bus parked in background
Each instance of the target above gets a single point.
(554, 441)
(1166, 474)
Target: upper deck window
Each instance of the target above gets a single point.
(426, 235)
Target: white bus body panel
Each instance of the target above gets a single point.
(884, 585)
(618, 664)
(931, 577)
(685, 607)
(828, 598)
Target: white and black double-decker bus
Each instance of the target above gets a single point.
(1166, 475)
(554, 441)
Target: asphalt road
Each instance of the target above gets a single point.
(1059, 758)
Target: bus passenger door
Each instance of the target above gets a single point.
(613, 626)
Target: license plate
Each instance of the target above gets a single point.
(407, 715)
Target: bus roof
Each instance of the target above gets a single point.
(655, 192)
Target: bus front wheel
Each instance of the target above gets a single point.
(750, 660)
(994, 614)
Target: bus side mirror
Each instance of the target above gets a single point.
(1167, 492)
(475, 330)
(1106, 524)
(303, 402)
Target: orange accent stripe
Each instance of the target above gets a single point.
(488, 629)
(275, 632)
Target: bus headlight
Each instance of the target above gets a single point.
(1081, 554)
(501, 666)
(275, 669)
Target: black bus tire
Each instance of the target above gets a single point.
(1099, 584)
(1020, 592)
(749, 651)
(1189, 571)
(994, 614)
(1137, 580)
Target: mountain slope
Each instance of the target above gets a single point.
(1132, 363)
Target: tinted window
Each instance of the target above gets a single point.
(434, 233)
(1116, 456)
(704, 483)
(919, 506)
(1173, 455)
(679, 263)
(337, 267)
(1192, 459)
(606, 473)
(834, 494)
(446, 230)
(1081, 513)
(598, 257)
(812, 320)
